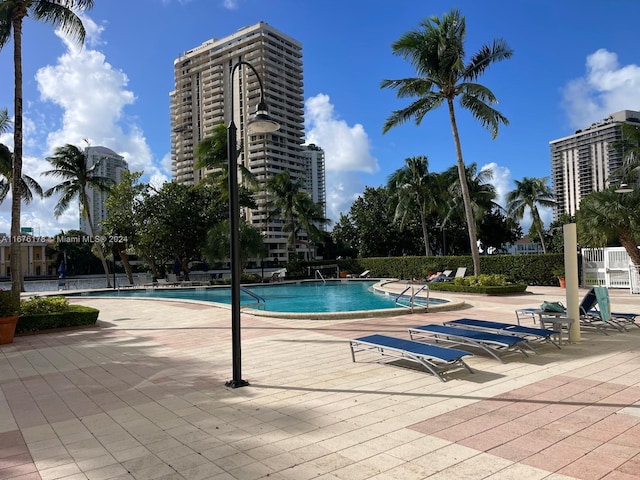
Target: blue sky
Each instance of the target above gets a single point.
(574, 62)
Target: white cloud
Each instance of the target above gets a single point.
(347, 153)
(92, 96)
(606, 87)
(230, 4)
(501, 180)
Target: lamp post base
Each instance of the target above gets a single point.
(236, 384)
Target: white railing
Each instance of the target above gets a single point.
(610, 267)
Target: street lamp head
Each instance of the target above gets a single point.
(262, 122)
(624, 188)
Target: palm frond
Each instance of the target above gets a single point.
(62, 17)
(489, 117)
(487, 55)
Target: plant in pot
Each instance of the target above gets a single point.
(559, 272)
(9, 312)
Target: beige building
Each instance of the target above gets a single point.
(35, 262)
(583, 162)
(202, 84)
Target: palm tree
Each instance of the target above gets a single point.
(437, 53)
(5, 121)
(12, 12)
(70, 165)
(416, 190)
(530, 193)
(311, 216)
(292, 205)
(482, 193)
(211, 153)
(29, 185)
(607, 217)
(629, 148)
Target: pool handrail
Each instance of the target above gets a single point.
(256, 296)
(412, 298)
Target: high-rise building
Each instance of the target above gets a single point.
(202, 84)
(111, 166)
(585, 162)
(314, 179)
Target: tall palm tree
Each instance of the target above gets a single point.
(436, 51)
(12, 12)
(290, 203)
(311, 216)
(416, 190)
(530, 193)
(29, 185)
(70, 165)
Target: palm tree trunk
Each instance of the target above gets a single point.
(425, 233)
(538, 223)
(630, 245)
(85, 201)
(17, 285)
(464, 188)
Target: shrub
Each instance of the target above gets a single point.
(46, 313)
(493, 280)
(38, 305)
(9, 305)
(484, 289)
(74, 316)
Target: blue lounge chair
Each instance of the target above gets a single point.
(528, 333)
(432, 357)
(494, 344)
(596, 304)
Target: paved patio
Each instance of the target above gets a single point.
(142, 397)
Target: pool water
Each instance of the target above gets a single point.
(301, 297)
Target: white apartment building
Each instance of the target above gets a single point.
(315, 175)
(202, 84)
(111, 166)
(583, 162)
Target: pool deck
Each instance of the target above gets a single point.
(142, 396)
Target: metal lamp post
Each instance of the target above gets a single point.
(261, 123)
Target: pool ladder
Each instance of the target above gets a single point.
(261, 303)
(318, 274)
(412, 301)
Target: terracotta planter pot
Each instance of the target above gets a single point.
(7, 329)
(562, 281)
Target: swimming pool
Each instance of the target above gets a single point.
(300, 297)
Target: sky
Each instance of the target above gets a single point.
(574, 62)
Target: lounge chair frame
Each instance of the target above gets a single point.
(435, 359)
(492, 343)
(595, 311)
(530, 334)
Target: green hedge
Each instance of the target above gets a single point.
(485, 289)
(527, 269)
(76, 315)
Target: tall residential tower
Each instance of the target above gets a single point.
(202, 84)
(111, 166)
(585, 162)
